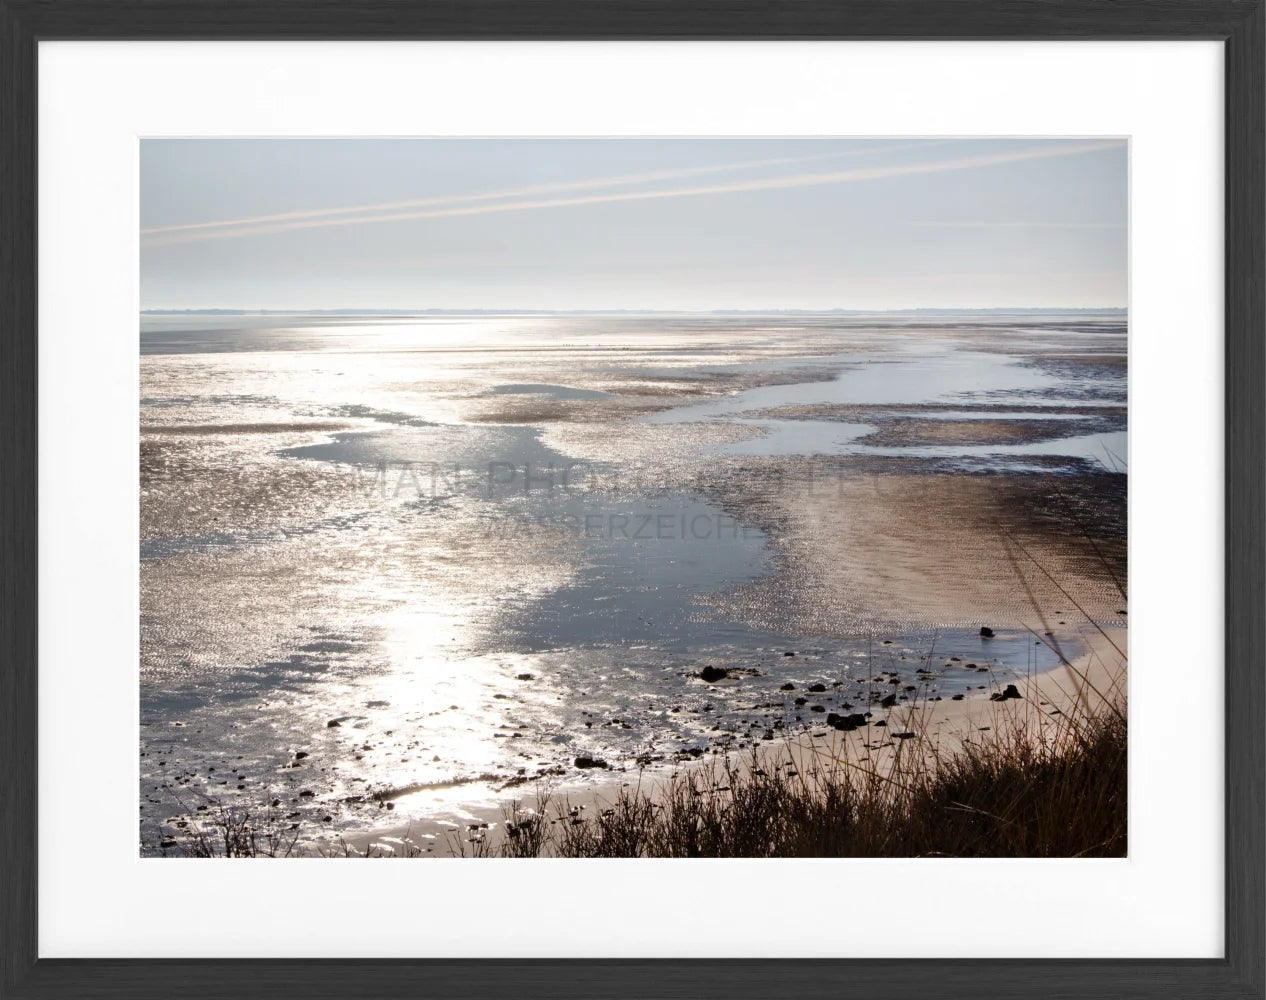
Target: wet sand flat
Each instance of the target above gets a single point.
(378, 569)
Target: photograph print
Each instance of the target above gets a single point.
(643, 497)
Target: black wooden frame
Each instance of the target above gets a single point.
(1239, 24)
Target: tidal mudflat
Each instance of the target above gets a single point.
(396, 571)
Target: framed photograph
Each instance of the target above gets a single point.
(623, 501)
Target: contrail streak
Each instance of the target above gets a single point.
(580, 185)
(760, 184)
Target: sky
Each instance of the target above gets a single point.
(671, 223)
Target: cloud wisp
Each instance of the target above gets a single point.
(468, 204)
